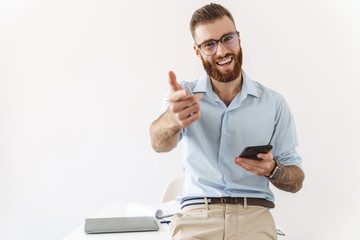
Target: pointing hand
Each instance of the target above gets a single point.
(183, 107)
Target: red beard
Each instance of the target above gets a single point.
(214, 73)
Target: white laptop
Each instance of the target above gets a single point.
(120, 224)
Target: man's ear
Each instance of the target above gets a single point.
(197, 51)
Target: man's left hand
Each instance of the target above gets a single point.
(259, 168)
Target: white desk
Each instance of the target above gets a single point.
(118, 210)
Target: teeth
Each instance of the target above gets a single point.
(225, 61)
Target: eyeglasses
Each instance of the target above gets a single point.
(228, 40)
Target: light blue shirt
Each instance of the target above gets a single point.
(256, 116)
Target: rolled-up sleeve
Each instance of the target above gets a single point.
(284, 138)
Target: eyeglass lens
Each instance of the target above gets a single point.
(228, 40)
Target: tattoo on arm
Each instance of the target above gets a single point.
(290, 179)
(163, 135)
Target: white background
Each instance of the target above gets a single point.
(81, 81)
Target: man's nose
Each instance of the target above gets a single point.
(221, 50)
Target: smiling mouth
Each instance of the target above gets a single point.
(225, 61)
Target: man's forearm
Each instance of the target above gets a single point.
(164, 136)
(290, 179)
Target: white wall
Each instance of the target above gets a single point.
(81, 81)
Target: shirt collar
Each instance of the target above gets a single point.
(248, 87)
(204, 85)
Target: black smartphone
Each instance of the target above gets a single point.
(252, 151)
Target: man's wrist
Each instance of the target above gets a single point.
(275, 172)
(272, 169)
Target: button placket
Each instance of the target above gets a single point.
(224, 138)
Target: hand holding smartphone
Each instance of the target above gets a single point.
(252, 151)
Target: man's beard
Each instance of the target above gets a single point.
(214, 73)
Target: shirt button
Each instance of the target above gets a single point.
(226, 132)
(223, 155)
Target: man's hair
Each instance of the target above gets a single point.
(207, 14)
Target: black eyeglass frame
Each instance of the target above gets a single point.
(217, 41)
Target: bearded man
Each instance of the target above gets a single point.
(216, 117)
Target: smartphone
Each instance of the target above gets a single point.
(252, 151)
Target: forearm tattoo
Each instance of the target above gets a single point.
(290, 179)
(163, 135)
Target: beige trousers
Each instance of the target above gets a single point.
(223, 221)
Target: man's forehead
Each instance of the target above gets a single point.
(213, 30)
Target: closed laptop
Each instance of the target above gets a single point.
(120, 224)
